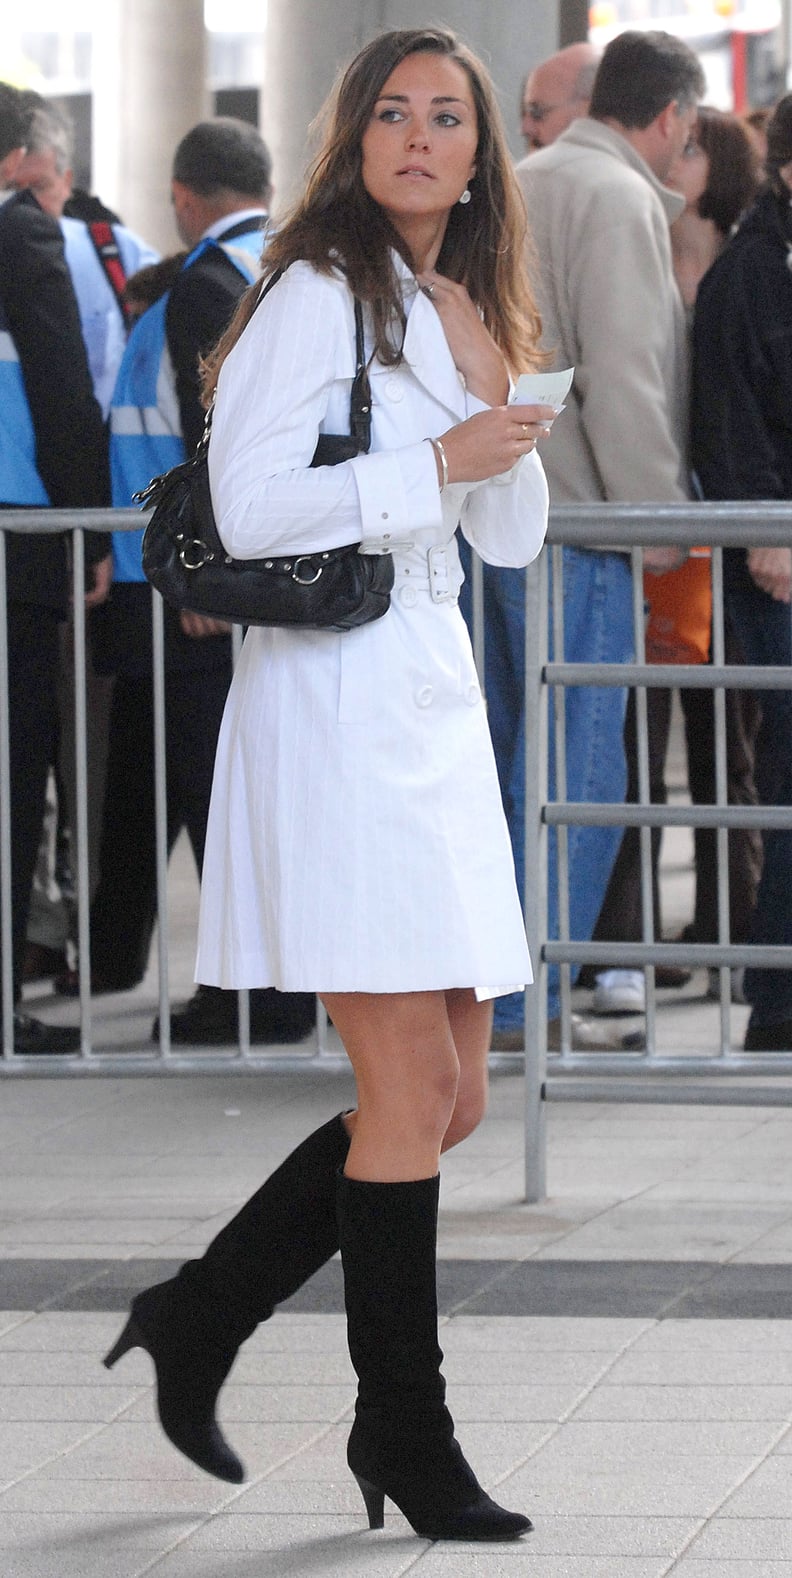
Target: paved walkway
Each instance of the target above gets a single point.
(619, 1357)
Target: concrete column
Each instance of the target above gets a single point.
(308, 41)
(149, 88)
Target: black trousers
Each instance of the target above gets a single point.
(33, 679)
(124, 906)
(620, 918)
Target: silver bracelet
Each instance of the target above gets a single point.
(439, 449)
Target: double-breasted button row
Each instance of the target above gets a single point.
(425, 696)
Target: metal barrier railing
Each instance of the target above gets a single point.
(624, 1076)
(641, 1075)
(89, 1060)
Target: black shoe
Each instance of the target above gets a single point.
(42, 963)
(211, 1017)
(769, 1038)
(33, 1037)
(67, 983)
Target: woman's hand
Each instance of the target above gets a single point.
(771, 569)
(475, 353)
(493, 441)
(199, 626)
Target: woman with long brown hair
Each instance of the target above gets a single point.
(357, 843)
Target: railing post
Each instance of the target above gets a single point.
(81, 790)
(535, 899)
(6, 922)
(161, 816)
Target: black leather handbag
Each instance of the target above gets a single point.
(185, 560)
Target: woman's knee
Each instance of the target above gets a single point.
(469, 1109)
(421, 1105)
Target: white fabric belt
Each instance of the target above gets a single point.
(429, 574)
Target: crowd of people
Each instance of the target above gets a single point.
(341, 792)
(617, 289)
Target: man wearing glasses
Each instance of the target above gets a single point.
(555, 93)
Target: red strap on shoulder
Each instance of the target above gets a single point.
(106, 246)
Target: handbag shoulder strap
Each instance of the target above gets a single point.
(360, 399)
(360, 402)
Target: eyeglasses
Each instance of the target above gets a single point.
(534, 110)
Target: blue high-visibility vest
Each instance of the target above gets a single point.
(20, 482)
(145, 423)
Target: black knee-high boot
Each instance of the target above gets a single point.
(193, 1324)
(402, 1441)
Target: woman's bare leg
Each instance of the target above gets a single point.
(420, 1061)
(402, 1050)
(471, 1027)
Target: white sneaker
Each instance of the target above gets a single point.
(620, 992)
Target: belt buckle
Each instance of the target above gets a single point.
(437, 560)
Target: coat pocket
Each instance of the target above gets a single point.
(360, 695)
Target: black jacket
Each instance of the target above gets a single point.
(741, 408)
(200, 307)
(71, 442)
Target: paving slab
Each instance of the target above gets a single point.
(619, 1356)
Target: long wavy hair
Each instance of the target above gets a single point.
(336, 224)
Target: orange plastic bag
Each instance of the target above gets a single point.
(678, 629)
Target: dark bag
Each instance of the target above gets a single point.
(185, 560)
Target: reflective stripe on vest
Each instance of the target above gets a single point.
(145, 423)
(20, 482)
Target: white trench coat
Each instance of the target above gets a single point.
(356, 838)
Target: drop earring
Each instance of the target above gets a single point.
(465, 198)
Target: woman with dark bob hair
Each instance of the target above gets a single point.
(357, 845)
(719, 177)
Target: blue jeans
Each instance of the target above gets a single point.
(764, 629)
(598, 628)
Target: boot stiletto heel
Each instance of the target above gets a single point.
(131, 1337)
(375, 1502)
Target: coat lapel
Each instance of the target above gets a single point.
(426, 349)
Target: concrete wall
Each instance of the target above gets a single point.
(149, 89)
(308, 41)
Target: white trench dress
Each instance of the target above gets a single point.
(356, 838)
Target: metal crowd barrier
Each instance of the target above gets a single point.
(648, 1075)
(89, 1060)
(566, 1075)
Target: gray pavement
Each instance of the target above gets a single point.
(619, 1356)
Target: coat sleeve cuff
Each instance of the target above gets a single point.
(398, 494)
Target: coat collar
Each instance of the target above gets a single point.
(426, 349)
(589, 133)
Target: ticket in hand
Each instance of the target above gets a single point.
(543, 388)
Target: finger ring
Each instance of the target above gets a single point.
(525, 433)
(428, 290)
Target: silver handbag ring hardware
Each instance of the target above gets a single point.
(298, 574)
(195, 554)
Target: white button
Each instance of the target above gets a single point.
(394, 389)
(473, 695)
(408, 596)
(423, 697)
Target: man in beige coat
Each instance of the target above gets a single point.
(599, 215)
